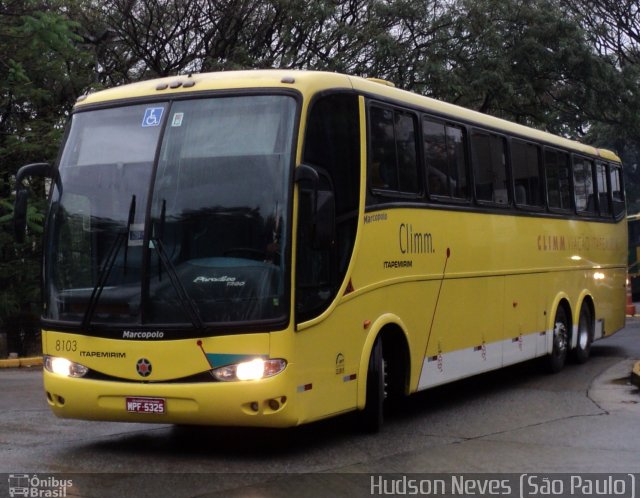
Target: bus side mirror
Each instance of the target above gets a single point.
(320, 204)
(22, 196)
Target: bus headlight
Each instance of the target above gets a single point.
(64, 367)
(250, 370)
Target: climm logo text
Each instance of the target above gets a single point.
(414, 242)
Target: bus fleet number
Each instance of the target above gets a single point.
(66, 346)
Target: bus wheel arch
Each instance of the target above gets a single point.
(385, 373)
(561, 329)
(584, 331)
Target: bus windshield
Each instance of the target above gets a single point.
(172, 214)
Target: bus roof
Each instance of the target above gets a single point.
(309, 82)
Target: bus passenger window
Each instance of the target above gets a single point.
(525, 163)
(435, 153)
(445, 159)
(383, 154)
(406, 152)
(583, 185)
(603, 190)
(617, 191)
(489, 166)
(457, 157)
(393, 165)
(556, 166)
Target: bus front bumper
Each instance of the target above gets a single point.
(263, 403)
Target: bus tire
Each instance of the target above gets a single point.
(372, 416)
(585, 335)
(557, 358)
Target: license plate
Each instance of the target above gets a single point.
(146, 405)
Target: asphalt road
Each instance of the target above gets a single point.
(518, 420)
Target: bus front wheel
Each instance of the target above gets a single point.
(372, 415)
(558, 356)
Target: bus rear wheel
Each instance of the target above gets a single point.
(556, 359)
(585, 335)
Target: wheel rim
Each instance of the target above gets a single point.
(583, 337)
(583, 332)
(583, 340)
(560, 338)
(385, 379)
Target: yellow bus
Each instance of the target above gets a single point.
(271, 248)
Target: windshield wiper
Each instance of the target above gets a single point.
(132, 214)
(110, 260)
(188, 306)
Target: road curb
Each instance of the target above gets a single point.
(35, 361)
(635, 374)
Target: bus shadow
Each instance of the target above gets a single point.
(262, 444)
(230, 443)
(265, 443)
(599, 350)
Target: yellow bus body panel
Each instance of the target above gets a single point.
(500, 284)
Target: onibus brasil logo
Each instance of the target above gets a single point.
(41, 487)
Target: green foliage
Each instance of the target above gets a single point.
(568, 66)
(19, 264)
(42, 71)
(522, 60)
(35, 218)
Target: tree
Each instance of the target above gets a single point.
(524, 61)
(163, 37)
(571, 67)
(613, 25)
(42, 72)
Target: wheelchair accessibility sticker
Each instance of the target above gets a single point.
(152, 116)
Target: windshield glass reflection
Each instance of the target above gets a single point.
(213, 248)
